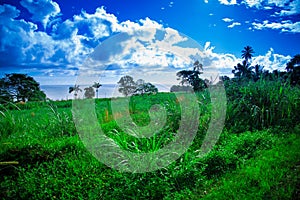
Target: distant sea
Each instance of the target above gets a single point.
(61, 92)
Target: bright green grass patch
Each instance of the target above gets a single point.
(274, 174)
(62, 168)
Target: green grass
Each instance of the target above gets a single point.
(256, 156)
(274, 174)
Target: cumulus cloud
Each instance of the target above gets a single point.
(293, 8)
(253, 3)
(288, 7)
(227, 19)
(234, 24)
(144, 46)
(271, 61)
(223, 62)
(228, 2)
(15, 35)
(282, 10)
(42, 11)
(283, 26)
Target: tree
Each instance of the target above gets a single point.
(293, 67)
(247, 53)
(89, 92)
(20, 87)
(192, 77)
(258, 72)
(145, 88)
(294, 62)
(126, 85)
(97, 86)
(181, 88)
(243, 70)
(75, 89)
(139, 86)
(198, 66)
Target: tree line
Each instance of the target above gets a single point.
(243, 72)
(126, 86)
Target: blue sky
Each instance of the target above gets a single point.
(51, 40)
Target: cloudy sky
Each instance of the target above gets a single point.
(53, 40)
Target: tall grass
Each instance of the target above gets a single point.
(262, 104)
(54, 163)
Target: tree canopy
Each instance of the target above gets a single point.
(20, 87)
(192, 77)
(127, 86)
(247, 53)
(89, 92)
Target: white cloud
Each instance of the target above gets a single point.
(271, 61)
(158, 52)
(278, 3)
(292, 9)
(227, 19)
(234, 24)
(268, 8)
(223, 62)
(228, 2)
(8, 11)
(253, 3)
(288, 7)
(284, 26)
(41, 10)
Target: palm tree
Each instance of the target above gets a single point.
(97, 86)
(243, 70)
(74, 89)
(247, 53)
(258, 72)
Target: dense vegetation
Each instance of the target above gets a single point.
(256, 157)
(43, 157)
(20, 87)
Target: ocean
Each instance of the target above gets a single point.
(61, 92)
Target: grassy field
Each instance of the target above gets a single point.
(256, 157)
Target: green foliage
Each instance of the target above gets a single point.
(262, 104)
(145, 88)
(192, 77)
(181, 88)
(127, 85)
(274, 174)
(53, 162)
(20, 87)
